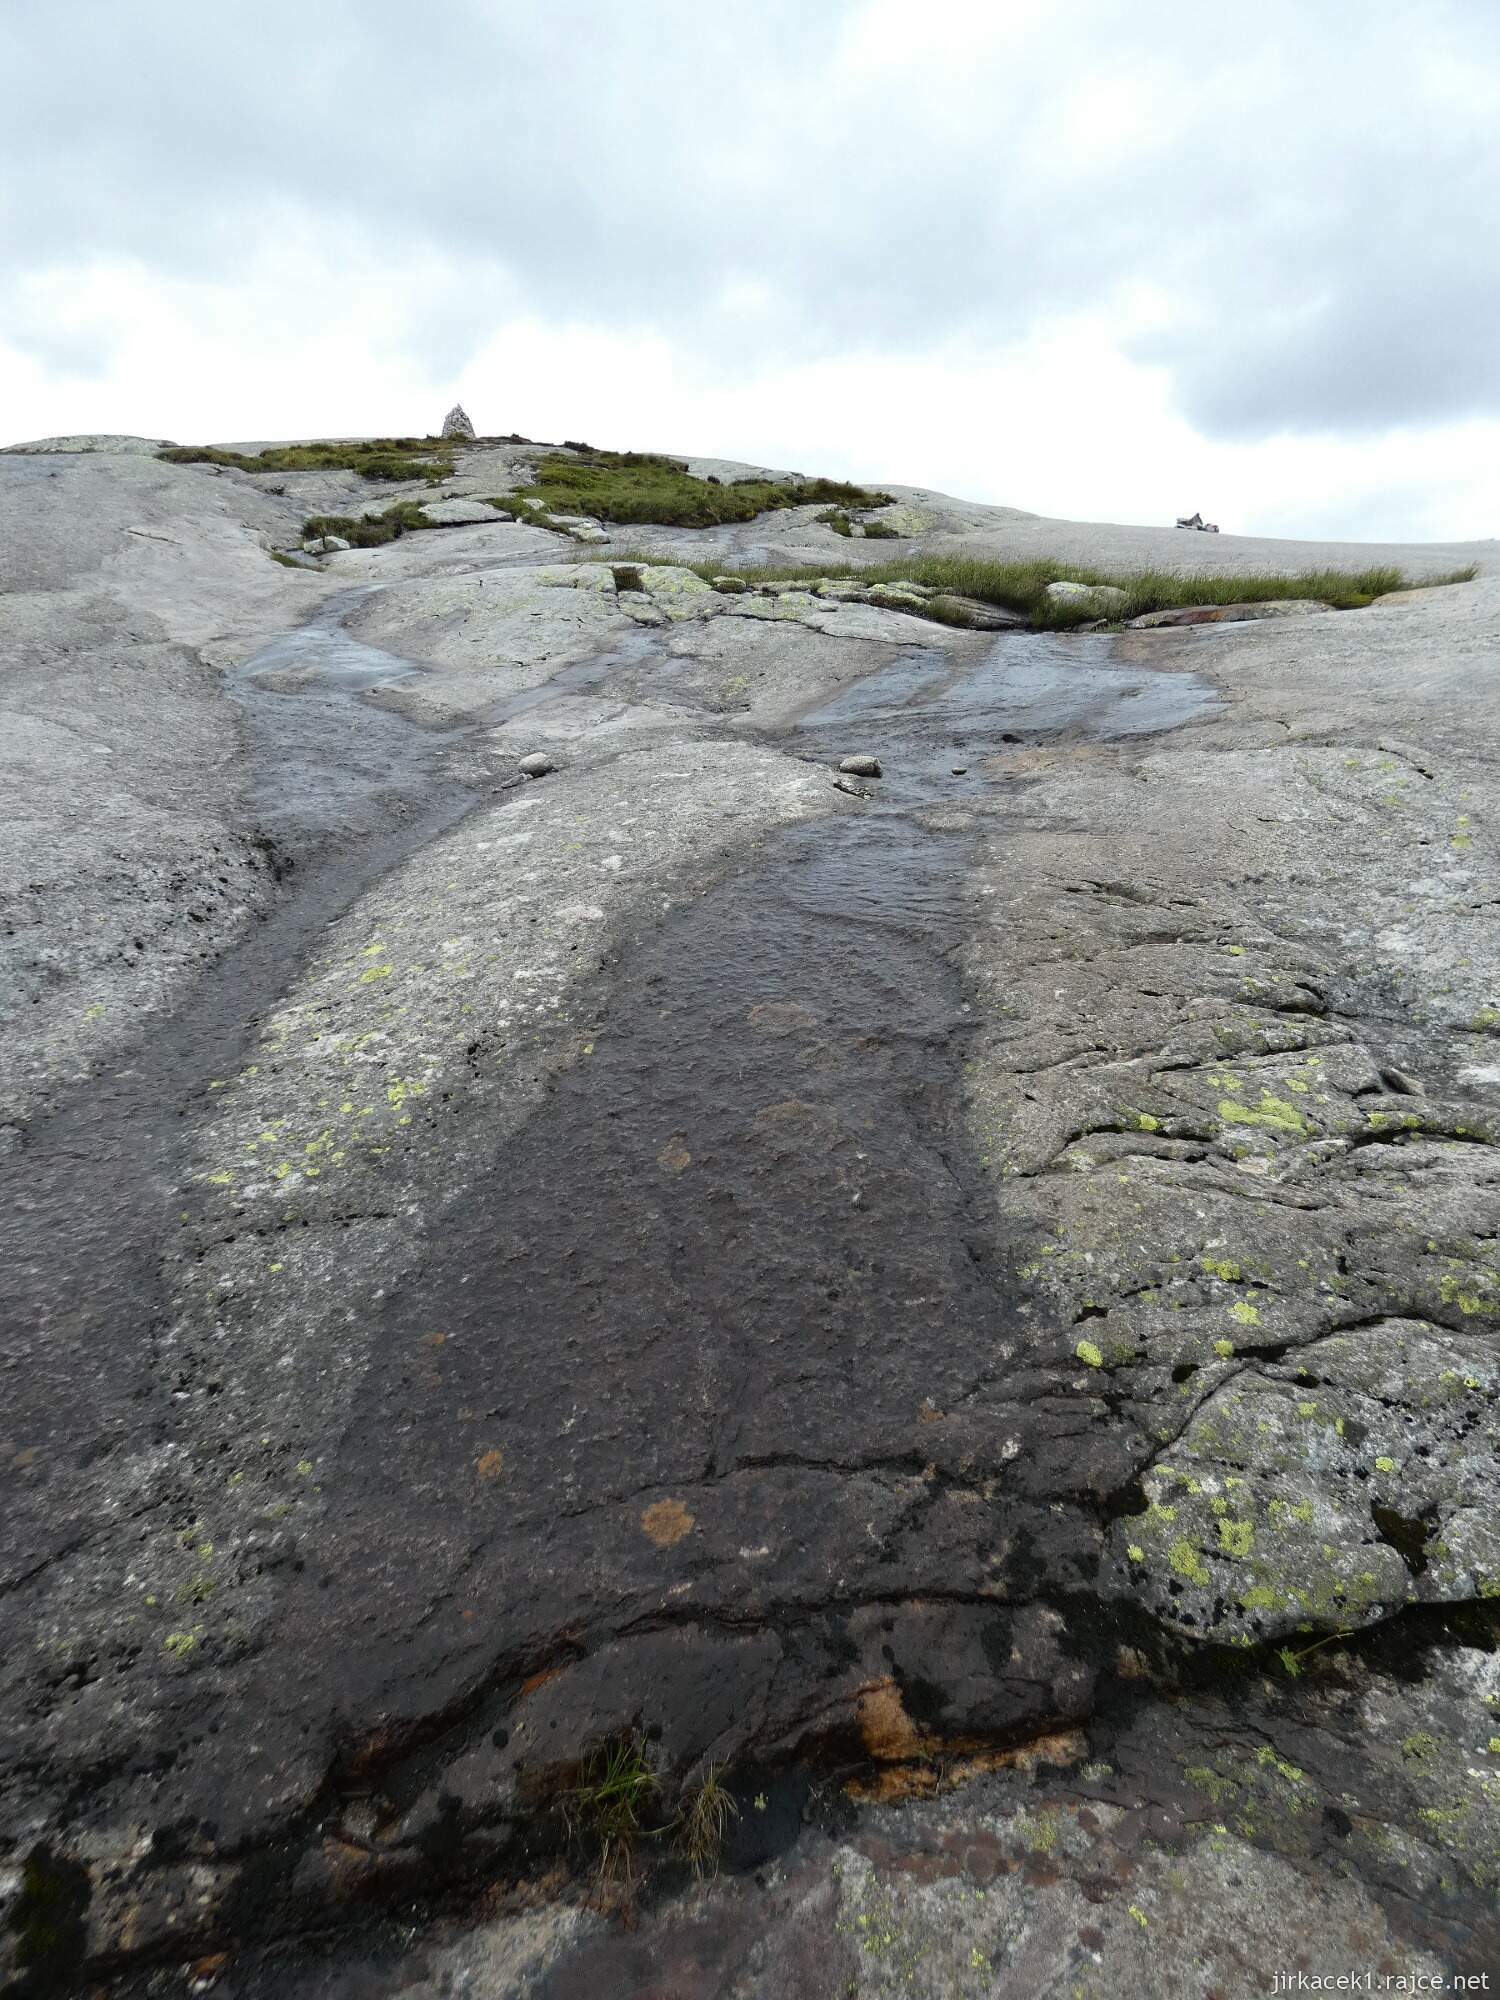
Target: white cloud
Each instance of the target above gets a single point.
(1070, 258)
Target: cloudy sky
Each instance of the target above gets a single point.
(1100, 258)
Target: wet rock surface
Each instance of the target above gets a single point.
(967, 1310)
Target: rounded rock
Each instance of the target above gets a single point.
(537, 765)
(862, 766)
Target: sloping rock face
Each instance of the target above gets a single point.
(1229, 614)
(460, 513)
(978, 1292)
(111, 445)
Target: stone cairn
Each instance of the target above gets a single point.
(456, 424)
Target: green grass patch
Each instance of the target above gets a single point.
(286, 561)
(1022, 586)
(648, 489)
(839, 519)
(373, 458)
(405, 518)
(607, 1807)
(704, 1822)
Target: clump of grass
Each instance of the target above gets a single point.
(372, 458)
(527, 510)
(704, 1822)
(607, 1805)
(1022, 585)
(645, 487)
(1291, 1658)
(405, 518)
(286, 561)
(839, 519)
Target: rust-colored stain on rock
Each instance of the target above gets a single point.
(666, 1522)
(490, 1464)
(674, 1156)
(537, 1680)
(887, 1731)
(937, 1765)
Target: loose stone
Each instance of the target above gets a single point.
(537, 765)
(861, 766)
(1230, 614)
(1101, 597)
(460, 513)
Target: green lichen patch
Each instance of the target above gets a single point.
(1278, 1115)
(1282, 1510)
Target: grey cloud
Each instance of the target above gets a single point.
(1314, 202)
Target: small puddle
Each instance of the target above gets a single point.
(941, 728)
(323, 651)
(927, 712)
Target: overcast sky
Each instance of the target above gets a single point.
(1109, 259)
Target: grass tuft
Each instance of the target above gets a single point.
(646, 488)
(703, 1825)
(373, 458)
(1022, 586)
(606, 1807)
(405, 518)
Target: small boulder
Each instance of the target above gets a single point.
(1103, 599)
(898, 597)
(537, 765)
(1229, 614)
(456, 424)
(959, 770)
(730, 586)
(579, 526)
(860, 766)
(325, 545)
(972, 613)
(459, 513)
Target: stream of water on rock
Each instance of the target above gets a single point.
(725, 1267)
(727, 1242)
